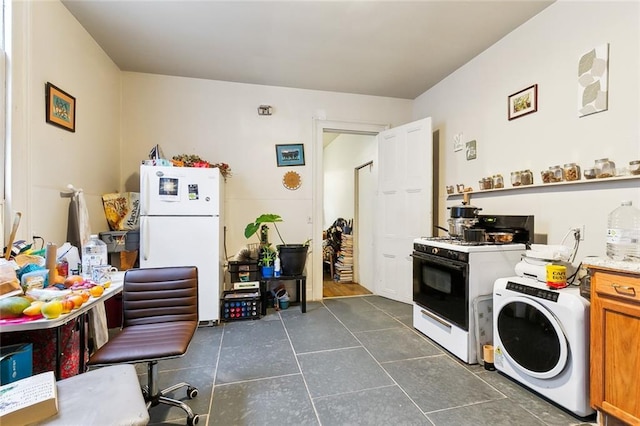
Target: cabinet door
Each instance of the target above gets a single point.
(615, 349)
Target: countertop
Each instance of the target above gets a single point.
(605, 262)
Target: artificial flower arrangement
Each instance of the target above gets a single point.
(187, 160)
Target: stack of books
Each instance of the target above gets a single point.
(344, 262)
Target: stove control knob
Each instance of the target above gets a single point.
(434, 250)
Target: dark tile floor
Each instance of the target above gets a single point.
(347, 361)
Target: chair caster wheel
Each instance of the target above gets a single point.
(192, 392)
(193, 420)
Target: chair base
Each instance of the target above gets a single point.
(154, 396)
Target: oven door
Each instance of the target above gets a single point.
(442, 286)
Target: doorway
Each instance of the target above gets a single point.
(320, 128)
(344, 154)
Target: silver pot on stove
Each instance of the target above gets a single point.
(458, 225)
(462, 217)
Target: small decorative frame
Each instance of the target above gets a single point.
(291, 180)
(60, 107)
(593, 81)
(523, 102)
(471, 150)
(290, 155)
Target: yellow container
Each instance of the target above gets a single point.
(556, 276)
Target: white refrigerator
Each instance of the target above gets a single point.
(181, 224)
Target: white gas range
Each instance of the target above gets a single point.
(448, 276)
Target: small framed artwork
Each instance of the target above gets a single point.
(471, 150)
(523, 102)
(60, 107)
(593, 81)
(290, 155)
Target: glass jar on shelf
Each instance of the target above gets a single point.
(605, 168)
(571, 171)
(526, 177)
(590, 173)
(486, 183)
(498, 181)
(634, 167)
(515, 179)
(449, 189)
(557, 173)
(547, 176)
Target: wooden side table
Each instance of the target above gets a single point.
(301, 285)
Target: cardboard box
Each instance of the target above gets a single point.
(16, 362)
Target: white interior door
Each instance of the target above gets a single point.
(364, 226)
(404, 204)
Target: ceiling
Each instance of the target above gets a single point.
(396, 48)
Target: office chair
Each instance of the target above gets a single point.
(160, 317)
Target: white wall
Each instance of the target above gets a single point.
(341, 157)
(545, 51)
(219, 122)
(49, 45)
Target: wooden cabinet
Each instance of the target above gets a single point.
(615, 343)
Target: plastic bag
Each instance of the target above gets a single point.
(122, 210)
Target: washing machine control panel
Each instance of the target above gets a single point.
(533, 291)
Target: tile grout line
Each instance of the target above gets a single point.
(304, 380)
(375, 360)
(215, 374)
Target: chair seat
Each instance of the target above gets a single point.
(146, 342)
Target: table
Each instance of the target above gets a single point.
(57, 323)
(301, 284)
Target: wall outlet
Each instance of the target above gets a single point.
(580, 229)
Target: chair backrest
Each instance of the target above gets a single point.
(160, 295)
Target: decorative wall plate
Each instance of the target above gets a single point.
(291, 180)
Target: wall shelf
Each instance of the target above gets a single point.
(557, 186)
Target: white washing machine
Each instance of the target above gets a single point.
(541, 339)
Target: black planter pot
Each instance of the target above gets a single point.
(292, 258)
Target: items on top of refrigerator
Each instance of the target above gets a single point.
(189, 160)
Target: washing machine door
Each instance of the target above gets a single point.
(532, 339)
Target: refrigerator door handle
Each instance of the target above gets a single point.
(144, 227)
(144, 189)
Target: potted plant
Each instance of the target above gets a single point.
(267, 257)
(292, 256)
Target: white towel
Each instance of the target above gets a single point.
(84, 227)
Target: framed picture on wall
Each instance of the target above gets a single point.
(60, 108)
(290, 155)
(523, 102)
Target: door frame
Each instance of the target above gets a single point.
(319, 127)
